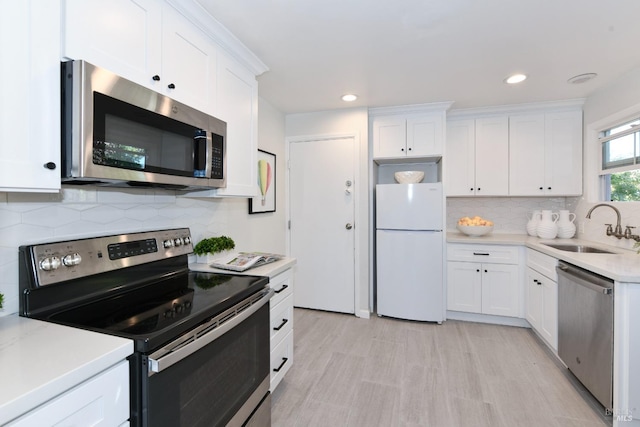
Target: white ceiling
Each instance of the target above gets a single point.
(398, 52)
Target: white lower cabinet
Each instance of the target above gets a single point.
(100, 401)
(492, 286)
(281, 327)
(542, 296)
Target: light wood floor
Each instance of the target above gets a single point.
(386, 372)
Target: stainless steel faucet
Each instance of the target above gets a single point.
(610, 232)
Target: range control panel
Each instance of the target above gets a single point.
(61, 261)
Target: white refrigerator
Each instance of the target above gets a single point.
(409, 251)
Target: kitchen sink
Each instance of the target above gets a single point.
(568, 247)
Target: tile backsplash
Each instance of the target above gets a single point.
(509, 214)
(75, 213)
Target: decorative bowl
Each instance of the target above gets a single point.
(409, 177)
(475, 230)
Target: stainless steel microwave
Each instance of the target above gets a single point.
(118, 133)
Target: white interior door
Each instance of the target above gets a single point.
(321, 191)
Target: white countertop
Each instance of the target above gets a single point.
(269, 270)
(40, 360)
(622, 266)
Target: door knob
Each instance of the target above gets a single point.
(348, 226)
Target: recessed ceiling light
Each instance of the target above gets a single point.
(515, 78)
(350, 97)
(581, 78)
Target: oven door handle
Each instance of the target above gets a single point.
(175, 352)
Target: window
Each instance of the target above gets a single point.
(621, 161)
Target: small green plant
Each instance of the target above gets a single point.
(636, 246)
(1, 300)
(213, 245)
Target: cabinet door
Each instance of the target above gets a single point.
(548, 326)
(460, 161)
(30, 101)
(533, 289)
(237, 105)
(123, 36)
(527, 155)
(464, 286)
(492, 156)
(424, 136)
(563, 153)
(389, 137)
(100, 401)
(500, 285)
(188, 63)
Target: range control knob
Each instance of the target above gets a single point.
(72, 259)
(51, 263)
(177, 242)
(168, 243)
(186, 240)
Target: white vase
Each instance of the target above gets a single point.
(566, 226)
(532, 224)
(208, 258)
(547, 227)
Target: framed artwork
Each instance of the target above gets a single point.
(266, 201)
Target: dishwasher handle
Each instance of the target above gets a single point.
(585, 279)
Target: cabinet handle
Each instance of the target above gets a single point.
(548, 188)
(541, 188)
(50, 165)
(171, 86)
(284, 322)
(282, 289)
(486, 271)
(478, 270)
(402, 149)
(478, 188)
(409, 149)
(471, 189)
(156, 78)
(481, 253)
(284, 360)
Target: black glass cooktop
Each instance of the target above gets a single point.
(157, 313)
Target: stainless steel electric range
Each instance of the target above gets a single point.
(201, 339)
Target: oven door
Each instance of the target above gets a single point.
(216, 375)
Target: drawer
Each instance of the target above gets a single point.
(281, 320)
(281, 360)
(497, 254)
(542, 263)
(282, 284)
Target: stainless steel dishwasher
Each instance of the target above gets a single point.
(585, 329)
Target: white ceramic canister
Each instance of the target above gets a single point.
(547, 227)
(532, 224)
(566, 225)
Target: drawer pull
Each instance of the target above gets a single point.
(481, 253)
(284, 322)
(284, 360)
(282, 289)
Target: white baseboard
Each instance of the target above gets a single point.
(487, 318)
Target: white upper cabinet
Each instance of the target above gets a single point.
(30, 101)
(146, 42)
(477, 161)
(160, 46)
(123, 36)
(238, 106)
(410, 133)
(398, 137)
(546, 154)
(189, 63)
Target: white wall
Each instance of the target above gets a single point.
(608, 106)
(89, 211)
(342, 122)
